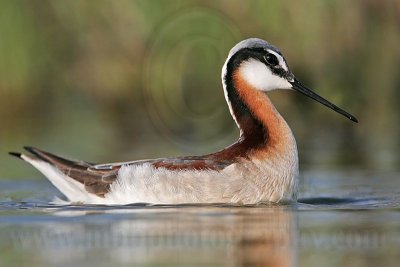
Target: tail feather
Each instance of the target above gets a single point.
(57, 160)
(15, 154)
(73, 178)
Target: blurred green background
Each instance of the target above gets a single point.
(120, 80)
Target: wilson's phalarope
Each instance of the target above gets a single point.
(262, 166)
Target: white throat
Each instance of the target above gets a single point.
(257, 74)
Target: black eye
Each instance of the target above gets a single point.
(271, 59)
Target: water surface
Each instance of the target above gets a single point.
(341, 219)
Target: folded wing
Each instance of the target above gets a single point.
(97, 178)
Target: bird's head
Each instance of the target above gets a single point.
(264, 67)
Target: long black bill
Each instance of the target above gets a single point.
(304, 90)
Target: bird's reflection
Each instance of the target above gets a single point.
(187, 235)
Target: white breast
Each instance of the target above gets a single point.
(245, 182)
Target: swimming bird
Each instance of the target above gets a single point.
(261, 166)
